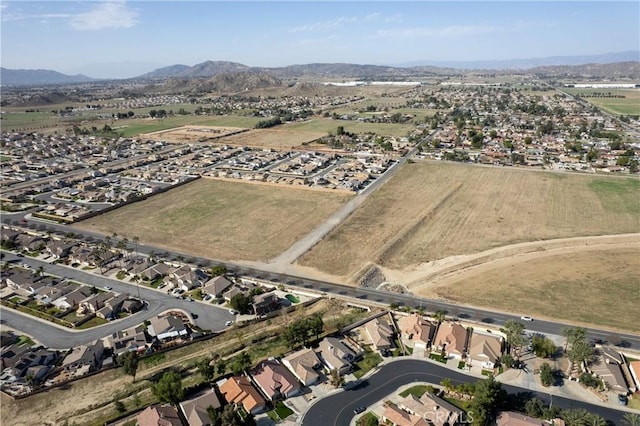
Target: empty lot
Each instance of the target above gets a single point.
(221, 220)
(431, 211)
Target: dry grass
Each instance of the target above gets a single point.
(222, 220)
(583, 286)
(277, 138)
(430, 211)
(190, 134)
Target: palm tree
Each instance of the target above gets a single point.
(135, 240)
(575, 417)
(595, 420)
(631, 419)
(440, 315)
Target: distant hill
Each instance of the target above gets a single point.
(204, 69)
(610, 71)
(10, 77)
(524, 64)
(231, 82)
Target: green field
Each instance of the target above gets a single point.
(614, 194)
(629, 105)
(130, 128)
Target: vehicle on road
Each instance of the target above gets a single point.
(228, 323)
(622, 399)
(106, 287)
(526, 318)
(188, 299)
(359, 410)
(233, 312)
(194, 316)
(20, 255)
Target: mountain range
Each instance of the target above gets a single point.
(593, 65)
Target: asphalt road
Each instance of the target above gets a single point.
(209, 317)
(337, 409)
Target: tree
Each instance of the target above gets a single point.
(440, 315)
(488, 396)
(229, 417)
(595, 420)
(580, 351)
(169, 388)
(119, 406)
(546, 374)
(129, 363)
(240, 302)
(506, 360)
(514, 331)
(576, 417)
(543, 346)
(206, 370)
(218, 270)
(534, 408)
(631, 419)
(241, 362)
(213, 414)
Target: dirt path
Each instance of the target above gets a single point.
(427, 275)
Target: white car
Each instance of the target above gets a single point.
(525, 318)
(106, 287)
(228, 323)
(233, 312)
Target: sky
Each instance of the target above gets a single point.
(120, 39)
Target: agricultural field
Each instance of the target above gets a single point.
(582, 286)
(134, 127)
(430, 211)
(221, 219)
(606, 99)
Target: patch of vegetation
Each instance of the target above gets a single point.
(25, 340)
(154, 359)
(93, 322)
(121, 275)
(370, 361)
(438, 358)
(281, 412)
(618, 195)
(418, 391)
(461, 365)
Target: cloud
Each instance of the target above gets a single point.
(103, 15)
(111, 14)
(323, 25)
(449, 31)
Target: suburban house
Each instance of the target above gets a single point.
(417, 330)
(186, 278)
(112, 306)
(511, 418)
(608, 366)
(451, 339)
(432, 408)
(634, 369)
(195, 408)
(73, 299)
(239, 390)
(159, 415)
(59, 249)
(305, 365)
(26, 362)
(129, 340)
(265, 302)
(167, 328)
(336, 355)
(84, 358)
(155, 271)
(216, 286)
(380, 333)
(395, 416)
(275, 381)
(485, 350)
(20, 280)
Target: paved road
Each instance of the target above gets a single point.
(209, 317)
(337, 409)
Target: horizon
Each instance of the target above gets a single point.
(122, 39)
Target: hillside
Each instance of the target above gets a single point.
(11, 77)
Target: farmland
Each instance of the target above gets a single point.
(277, 138)
(222, 220)
(629, 104)
(458, 209)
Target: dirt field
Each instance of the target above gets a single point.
(432, 210)
(276, 138)
(222, 220)
(191, 134)
(583, 285)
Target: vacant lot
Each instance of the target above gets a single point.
(432, 210)
(580, 285)
(280, 137)
(222, 220)
(134, 127)
(191, 134)
(327, 125)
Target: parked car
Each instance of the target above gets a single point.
(359, 410)
(622, 399)
(228, 323)
(106, 287)
(233, 312)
